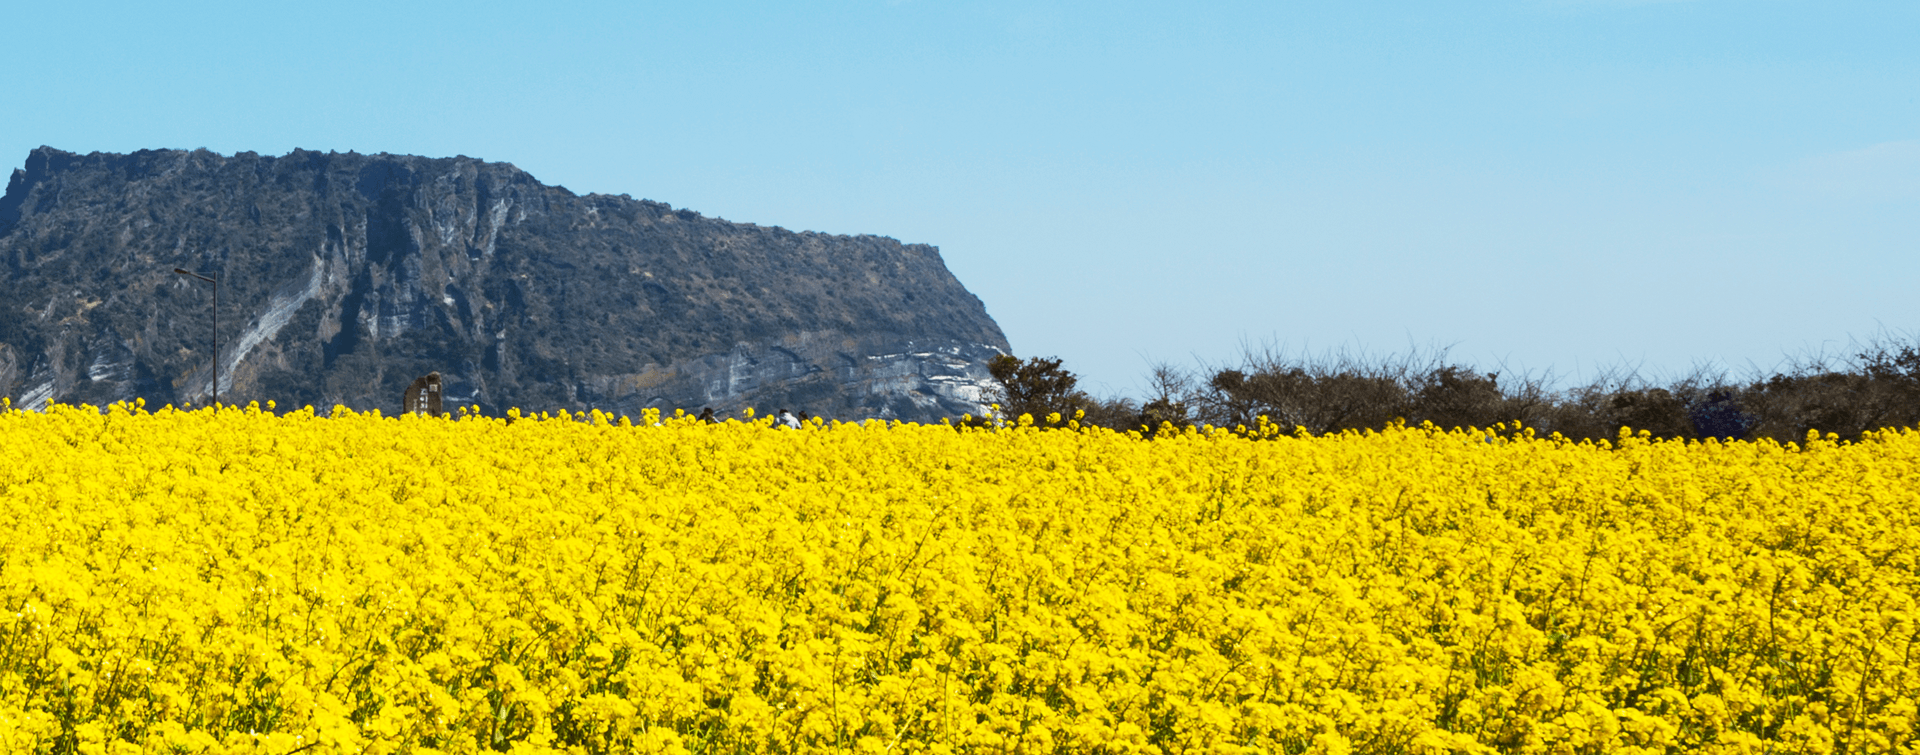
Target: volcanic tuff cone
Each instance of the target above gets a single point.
(343, 277)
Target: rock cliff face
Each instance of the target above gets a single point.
(343, 277)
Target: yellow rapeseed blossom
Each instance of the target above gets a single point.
(252, 582)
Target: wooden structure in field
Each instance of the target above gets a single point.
(423, 397)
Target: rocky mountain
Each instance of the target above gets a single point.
(343, 277)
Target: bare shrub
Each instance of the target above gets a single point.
(1877, 387)
(1325, 393)
(1874, 388)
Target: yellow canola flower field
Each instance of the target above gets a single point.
(252, 582)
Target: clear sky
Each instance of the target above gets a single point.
(1541, 184)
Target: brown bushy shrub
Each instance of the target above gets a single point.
(1322, 395)
(1039, 387)
(1788, 406)
(1877, 387)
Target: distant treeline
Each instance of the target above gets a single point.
(1876, 386)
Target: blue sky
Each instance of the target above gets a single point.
(1541, 184)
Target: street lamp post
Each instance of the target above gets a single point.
(216, 331)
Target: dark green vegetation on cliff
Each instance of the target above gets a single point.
(343, 277)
